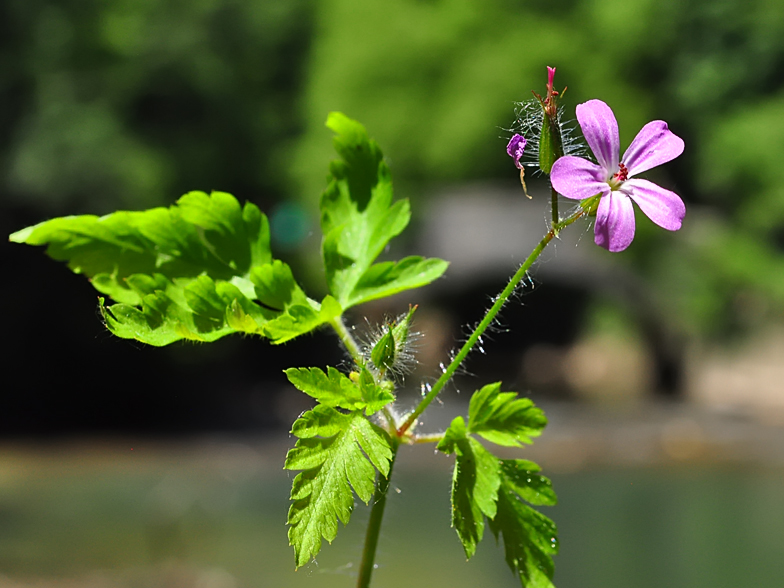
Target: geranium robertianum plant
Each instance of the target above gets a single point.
(202, 269)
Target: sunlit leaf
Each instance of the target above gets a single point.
(201, 234)
(503, 418)
(199, 270)
(358, 219)
(337, 452)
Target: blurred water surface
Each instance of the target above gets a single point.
(211, 514)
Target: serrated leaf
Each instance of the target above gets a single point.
(388, 278)
(358, 219)
(299, 319)
(486, 486)
(275, 286)
(200, 310)
(276, 289)
(337, 390)
(522, 476)
(332, 388)
(502, 418)
(191, 271)
(530, 538)
(475, 483)
(376, 396)
(336, 452)
(201, 234)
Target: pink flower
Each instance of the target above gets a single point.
(578, 178)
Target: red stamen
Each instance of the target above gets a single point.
(622, 174)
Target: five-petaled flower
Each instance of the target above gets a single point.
(578, 178)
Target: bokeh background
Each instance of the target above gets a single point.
(662, 369)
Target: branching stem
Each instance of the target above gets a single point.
(382, 486)
(348, 340)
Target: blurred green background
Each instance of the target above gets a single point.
(129, 104)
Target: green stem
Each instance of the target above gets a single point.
(348, 341)
(487, 320)
(554, 205)
(374, 524)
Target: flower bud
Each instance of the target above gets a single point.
(391, 350)
(550, 140)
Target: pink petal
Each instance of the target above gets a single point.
(577, 178)
(654, 144)
(663, 207)
(600, 129)
(515, 148)
(614, 228)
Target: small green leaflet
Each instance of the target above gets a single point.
(337, 390)
(475, 484)
(358, 220)
(486, 486)
(530, 538)
(337, 452)
(198, 270)
(502, 418)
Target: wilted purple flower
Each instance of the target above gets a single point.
(515, 149)
(578, 178)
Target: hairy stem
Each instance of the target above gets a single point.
(348, 340)
(554, 205)
(374, 524)
(487, 320)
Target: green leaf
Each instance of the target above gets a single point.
(202, 310)
(358, 219)
(522, 476)
(333, 388)
(276, 289)
(299, 319)
(200, 234)
(376, 396)
(192, 271)
(530, 538)
(337, 390)
(336, 452)
(387, 278)
(502, 418)
(486, 486)
(475, 484)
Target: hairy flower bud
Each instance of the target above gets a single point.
(550, 140)
(391, 349)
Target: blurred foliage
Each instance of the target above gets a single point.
(132, 103)
(129, 104)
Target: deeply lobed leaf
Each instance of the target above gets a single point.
(486, 486)
(198, 270)
(337, 452)
(201, 234)
(475, 483)
(358, 219)
(530, 538)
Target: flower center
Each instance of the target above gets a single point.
(619, 177)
